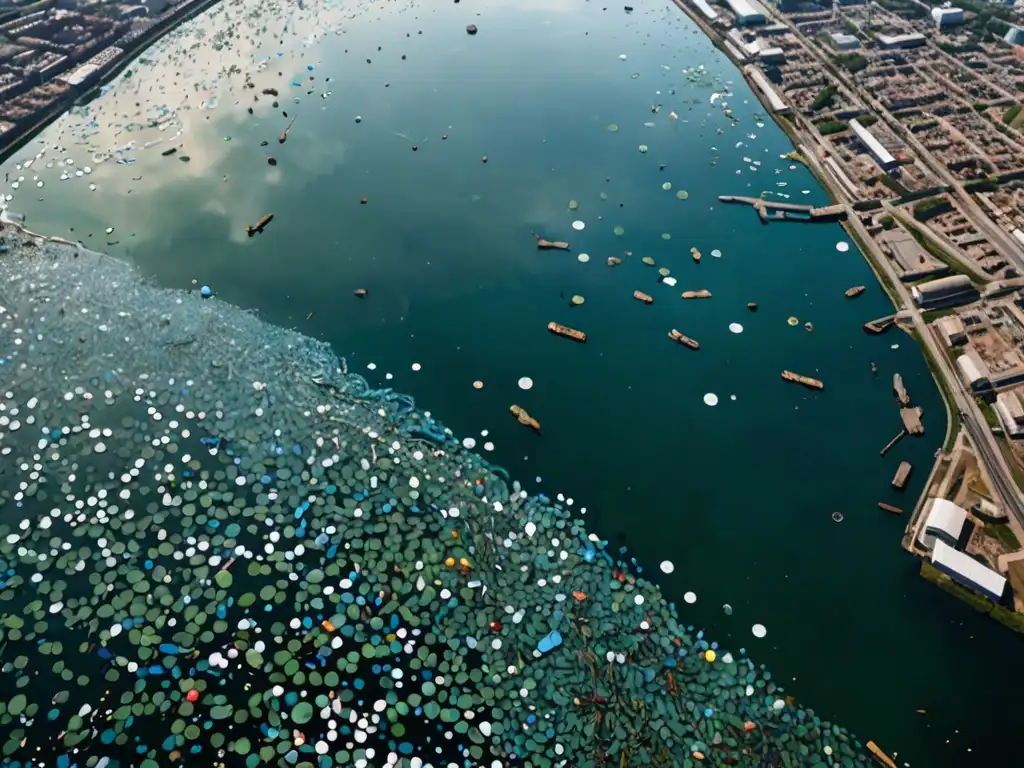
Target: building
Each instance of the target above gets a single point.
(844, 41)
(1014, 35)
(706, 10)
(882, 156)
(973, 371)
(968, 572)
(945, 522)
(775, 102)
(913, 261)
(773, 56)
(947, 17)
(952, 329)
(911, 40)
(747, 12)
(944, 292)
(1010, 411)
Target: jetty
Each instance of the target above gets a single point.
(900, 390)
(807, 381)
(912, 420)
(684, 340)
(570, 333)
(888, 446)
(770, 210)
(880, 325)
(900, 478)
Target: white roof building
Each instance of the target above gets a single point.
(911, 40)
(873, 145)
(952, 329)
(945, 522)
(947, 16)
(747, 11)
(973, 372)
(944, 291)
(967, 571)
(1010, 411)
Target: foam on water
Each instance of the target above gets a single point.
(216, 544)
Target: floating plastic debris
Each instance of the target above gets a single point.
(711, 399)
(759, 630)
(619, 230)
(667, 566)
(578, 225)
(735, 327)
(577, 300)
(716, 253)
(583, 257)
(667, 186)
(613, 128)
(793, 321)
(643, 149)
(690, 597)
(524, 383)
(682, 194)
(842, 246)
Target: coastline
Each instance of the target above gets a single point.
(850, 226)
(19, 138)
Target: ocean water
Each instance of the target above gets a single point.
(738, 496)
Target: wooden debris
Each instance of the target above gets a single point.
(614, 261)
(360, 292)
(880, 756)
(641, 296)
(807, 381)
(752, 306)
(570, 333)
(524, 418)
(889, 508)
(684, 340)
(696, 255)
(857, 290)
(260, 225)
(542, 243)
(703, 293)
(284, 134)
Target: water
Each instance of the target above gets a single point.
(738, 496)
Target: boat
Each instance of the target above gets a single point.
(703, 293)
(807, 381)
(168, 152)
(900, 390)
(889, 508)
(900, 478)
(641, 296)
(685, 340)
(857, 290)
(570, 333)
(260, 225)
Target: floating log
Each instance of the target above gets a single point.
(703, 293)
(684, 340)
(570, 333)
(696, 255)
(284, 134)
(641, 296)
(807, 381)
(902, 433)
(542, 243)
(524, 418)
(880, 756)
(857, 290)
(260, 225)
(900, 478)
(889, 508)
(169, 152)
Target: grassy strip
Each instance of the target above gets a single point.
(1011, 619)
(947, 394)
(939, 252)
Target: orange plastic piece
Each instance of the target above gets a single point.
(326, 624)
(581, 596)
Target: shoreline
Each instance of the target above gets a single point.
(850, 227)
(20, 136)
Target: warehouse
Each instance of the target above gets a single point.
(945, 522)
(882, 156)
(968, 572)
(747, 12)
(946, 291)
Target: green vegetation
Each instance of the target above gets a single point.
(1011, 461)
(982, 185)
(980, 106)
(947, 395)
(887, 221)
(929, 207)
(832, 126)
(1011, 114)
(934, 314)
(852, 62)
(989, 413)
(825, 96)
(938, 252)
(867, 120)
(1011, 619)
(1003, 535)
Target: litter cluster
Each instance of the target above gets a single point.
(219, 547)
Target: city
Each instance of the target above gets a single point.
(910, 113)
(55, 52)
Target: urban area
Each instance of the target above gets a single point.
(53, 52)
(910, 113)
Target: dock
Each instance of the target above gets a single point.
(900, 390)
(912, 420)
(880, 325)
(891, 443)
(770, 210)
(900, 478)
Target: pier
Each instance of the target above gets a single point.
(769, 210)
(880, 325)
(900, 479)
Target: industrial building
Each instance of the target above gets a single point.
(944, 292)
(911, 40)
(844, 41)
(947, 17)
(1010, 411)
(973, 372)
(706, 10)
(912, 261)
(952, 329)
(968, 572)
(773, 56)
(944, 522)
(747, 12)
(882, 156)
